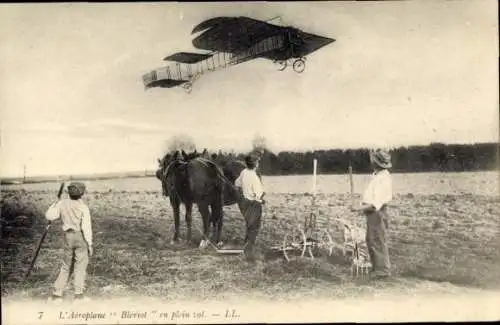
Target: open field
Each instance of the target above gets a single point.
(477, 183)
(444, 239)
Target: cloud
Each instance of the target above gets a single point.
(114, 127)
(110, 127)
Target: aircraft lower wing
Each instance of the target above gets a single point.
(187, 57)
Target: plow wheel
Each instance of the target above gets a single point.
(294, 244)
(320, 244)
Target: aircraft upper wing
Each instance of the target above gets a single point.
(310, 43)
(232, 34)
(211, 23)
(186, 57)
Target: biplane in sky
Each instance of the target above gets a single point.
(234, 40)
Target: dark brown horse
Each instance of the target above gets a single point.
(193, 179)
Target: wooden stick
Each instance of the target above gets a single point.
(221, 251)
(44, 234)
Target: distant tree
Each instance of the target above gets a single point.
(286, 159)
(180, 142)
(259, 147)
(433, 157)
(259, 144)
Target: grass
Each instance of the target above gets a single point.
(439, 243)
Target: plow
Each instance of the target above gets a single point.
(310, 241)
(307, 238)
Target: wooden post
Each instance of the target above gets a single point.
(351, 183)
(350, 180)
(315, 165)
(312, 216)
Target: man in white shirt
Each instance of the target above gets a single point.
(374, 205)
(77, 228)
(250, 205)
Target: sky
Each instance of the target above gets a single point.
(400, 73)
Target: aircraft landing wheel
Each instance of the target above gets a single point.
(281, 65)
(188, 87)
(299, 65)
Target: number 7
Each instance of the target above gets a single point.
(40, 314)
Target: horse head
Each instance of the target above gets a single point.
(168, 166)
(195, 154)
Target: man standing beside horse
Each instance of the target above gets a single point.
(250, 205)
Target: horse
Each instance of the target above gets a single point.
(194, 179)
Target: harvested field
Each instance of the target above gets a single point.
(440, 243)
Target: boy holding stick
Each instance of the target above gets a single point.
(77, 227)
(374, 206)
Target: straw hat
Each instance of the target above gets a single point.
(381, 157)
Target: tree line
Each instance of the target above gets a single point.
(436, 157)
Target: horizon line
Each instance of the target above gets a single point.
(142, 172)
(360, 147)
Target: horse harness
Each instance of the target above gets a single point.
(220, 173)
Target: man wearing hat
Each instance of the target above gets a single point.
(77, 228)
(250, 205)
(374, 205)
